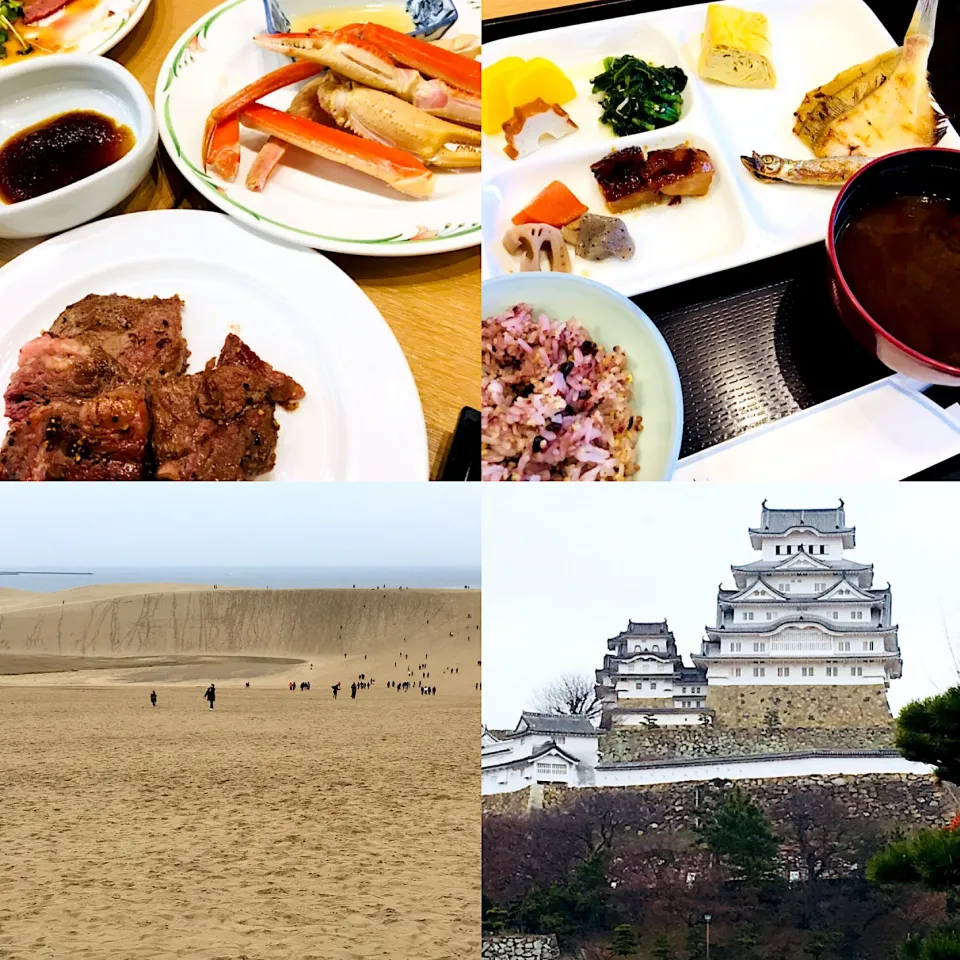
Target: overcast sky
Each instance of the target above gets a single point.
(248, 534)
(565, 566)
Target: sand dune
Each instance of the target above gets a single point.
(279, 825)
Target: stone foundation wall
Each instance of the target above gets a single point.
(630, 744)
(906, 800)
(516, 947)
(516, 802)
(800, 707)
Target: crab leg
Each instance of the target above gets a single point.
(433, 61)
(304, 104)
(291, 73)
(223, 157)
(378, 116)
(399, 169)
(362, 61)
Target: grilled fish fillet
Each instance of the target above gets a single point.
(879, 106)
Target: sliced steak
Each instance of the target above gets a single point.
(143, 336)
(219, 424)
(53, 368)
(283, 389)
(104, 438)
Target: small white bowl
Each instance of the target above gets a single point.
(612, 321)
(37, 89)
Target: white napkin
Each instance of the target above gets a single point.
(885, 431)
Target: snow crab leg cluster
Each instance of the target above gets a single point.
(381, 102)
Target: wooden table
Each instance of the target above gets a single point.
(432, 303)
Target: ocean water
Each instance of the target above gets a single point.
(53, 578)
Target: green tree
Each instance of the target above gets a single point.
(931, 858)
(928, 731)
(624, 942)
(942, 944)
(661, 949)
(741, 836)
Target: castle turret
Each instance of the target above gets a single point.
(644, 680)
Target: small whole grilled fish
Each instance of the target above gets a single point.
(822, 172)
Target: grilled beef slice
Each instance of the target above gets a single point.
(102, 438)
(54, 368)
(219, 424)
(143, 336)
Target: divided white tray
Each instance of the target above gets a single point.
(740, 220)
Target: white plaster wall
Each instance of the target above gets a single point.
(748, 768)
(833, 546)
(663, 720)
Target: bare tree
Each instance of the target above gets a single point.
(571, 694)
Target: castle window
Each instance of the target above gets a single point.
(759, 647)
(769, 615)
(819, 587)
(844, 645)
(868, 645)
(639, 684)
(786, 588)
(653, 684)
(735, 647)
(856, 671)
(806, 671)
(823, 549)
(551, 769)
(778, 551)
(832, 671)
(856, 614)
(759, 671)
(750, 615)
(783, 671)
(737, 671)
(789, 549)
(684, 690)
(836, 615)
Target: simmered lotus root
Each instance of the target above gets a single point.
(531, 240)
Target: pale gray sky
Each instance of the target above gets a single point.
(248, 534)
(566, 565)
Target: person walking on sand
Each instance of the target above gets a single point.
(353, 691)
(210, 695)
(336, 689)
(153, 697)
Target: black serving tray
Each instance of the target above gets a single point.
(762, 341)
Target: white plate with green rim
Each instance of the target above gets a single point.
(308, 201)
(83, 26)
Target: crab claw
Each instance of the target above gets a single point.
(397, 168)
(291, 73)
(430, 60)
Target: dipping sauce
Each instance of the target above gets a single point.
(390, 15)
(59, 151)
(901, 259)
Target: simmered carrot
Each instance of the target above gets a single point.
(554, 204)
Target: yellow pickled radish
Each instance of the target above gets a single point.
(496, 109)
(539, 78)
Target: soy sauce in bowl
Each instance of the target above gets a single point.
(59, 151)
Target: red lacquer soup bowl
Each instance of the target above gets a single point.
(930, 172)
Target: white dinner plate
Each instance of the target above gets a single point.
(361, 418)
(740, 220)
(308, 201)
(85, 26)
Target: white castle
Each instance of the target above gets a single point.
(803, 615)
